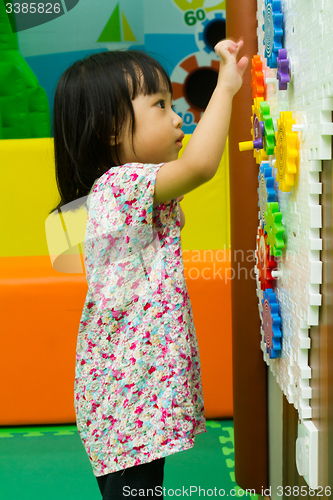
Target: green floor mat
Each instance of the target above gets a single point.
(38, 463)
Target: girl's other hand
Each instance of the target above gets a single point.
(231, 71)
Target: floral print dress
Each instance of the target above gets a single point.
(138, 393)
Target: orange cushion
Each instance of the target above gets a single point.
(41, 311)
(39, 324)
(207, 274)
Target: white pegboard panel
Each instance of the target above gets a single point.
(308, 38)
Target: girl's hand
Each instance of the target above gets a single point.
(231, 71)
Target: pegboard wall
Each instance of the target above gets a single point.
(292, 91)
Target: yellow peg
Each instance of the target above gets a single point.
(246, 146)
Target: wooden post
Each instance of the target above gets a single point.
(249, 369)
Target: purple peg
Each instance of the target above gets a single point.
(283, 69)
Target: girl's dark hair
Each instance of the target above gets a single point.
(93, 99)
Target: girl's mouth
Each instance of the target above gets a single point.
(180, 140)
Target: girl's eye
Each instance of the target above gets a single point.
(161, 104)
(174, 108)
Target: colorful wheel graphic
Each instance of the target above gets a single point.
(271, 324)
(193, 82)
(208, 5)
(210, 31)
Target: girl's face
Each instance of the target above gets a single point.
(157, 134)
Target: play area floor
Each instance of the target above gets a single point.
(38, 463)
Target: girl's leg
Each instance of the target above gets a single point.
(127, 483)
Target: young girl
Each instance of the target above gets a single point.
(138, 394)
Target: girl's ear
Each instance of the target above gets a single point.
(113, 141)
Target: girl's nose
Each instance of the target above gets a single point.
(178, 120)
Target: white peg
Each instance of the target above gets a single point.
(274, 81)
(301, 128)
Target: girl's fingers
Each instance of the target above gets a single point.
(224, 55)
(240, 44)
(242, 65)
(230, 46)
(225, 48)
(226, 45)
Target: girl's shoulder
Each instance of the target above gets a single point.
(122, 171)
(134, 166)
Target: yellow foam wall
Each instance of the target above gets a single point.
(207, 211)
(29, 191)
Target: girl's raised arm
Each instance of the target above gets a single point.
(203, 153)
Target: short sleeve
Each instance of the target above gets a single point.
(124, 197)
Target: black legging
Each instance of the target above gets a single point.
(127, 483)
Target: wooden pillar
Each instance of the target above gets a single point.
(249, 369)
